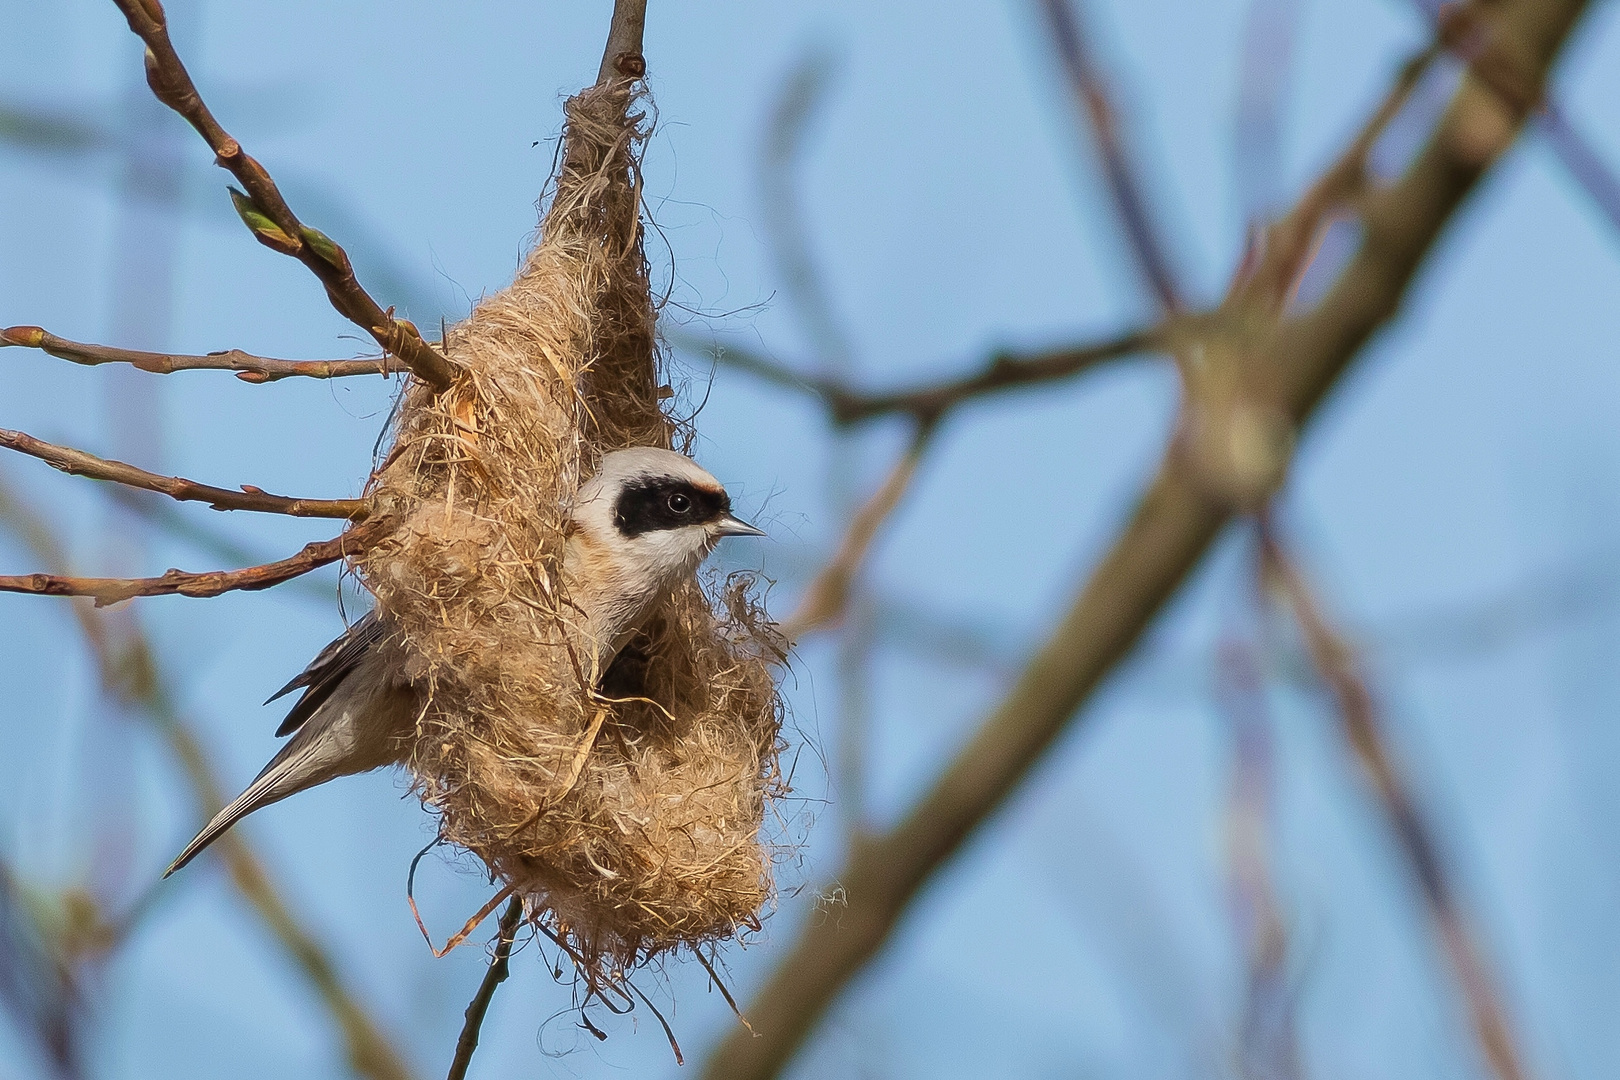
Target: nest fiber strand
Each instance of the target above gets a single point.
(630, 827)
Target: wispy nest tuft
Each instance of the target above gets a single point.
(630, 828)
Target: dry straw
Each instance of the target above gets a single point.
(629, 827)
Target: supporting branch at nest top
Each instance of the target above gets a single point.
(623, 59)
(248, 368)
(267, 214)
(79, 463)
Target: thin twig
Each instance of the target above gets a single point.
(827, 594)
(1005, 370)
(267, 214)
(78, 463)
(1339, 670)
(248, 368)
(129, 673)
(1268, 1046)
(208, 583)
(1125, 187)
(1168, 534)
(499, 968)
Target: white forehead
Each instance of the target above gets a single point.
(646, 462)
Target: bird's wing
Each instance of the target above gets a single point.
(327, 671)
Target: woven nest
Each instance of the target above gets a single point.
(630, 828)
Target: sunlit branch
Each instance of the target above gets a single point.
(1337, 667)
(267, 214)
(129, 673)
(79, 463)
(248, 368)
(106, 591)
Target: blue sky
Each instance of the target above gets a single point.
(953, 207)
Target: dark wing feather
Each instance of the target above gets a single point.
(328, 670)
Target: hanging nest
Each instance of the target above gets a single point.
(632, 827)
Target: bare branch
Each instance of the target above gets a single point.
(1002, 371)
(622, 58)
(1336, 665)
(827, 594)
(267, 213)
(107, 591)
(1171, 529)
(130, 674)
(1131, 207)
(79, 463)
(499, 968)
(1468, 33)
(248, 368)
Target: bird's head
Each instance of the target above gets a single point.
(656, 512)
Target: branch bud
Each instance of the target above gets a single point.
(267, 232)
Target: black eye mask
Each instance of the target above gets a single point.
(652, 504)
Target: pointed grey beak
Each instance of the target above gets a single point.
(731, 525)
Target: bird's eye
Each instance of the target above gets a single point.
(678, 503)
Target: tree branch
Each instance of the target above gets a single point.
(827, 595)
(78, 463)
(129, 673)
(267, 214)
(1001, 372)
(248, 368)
(622, 57)
(1128, 194)
(107, 591)
(499, 968)
(1167, 535)
(1336, 666)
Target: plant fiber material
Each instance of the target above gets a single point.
(632, 826)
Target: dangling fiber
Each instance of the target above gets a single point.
(632, 827)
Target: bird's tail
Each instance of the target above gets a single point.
(269, 786)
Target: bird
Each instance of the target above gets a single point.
(638, 527)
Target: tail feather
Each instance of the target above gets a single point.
(269, 786)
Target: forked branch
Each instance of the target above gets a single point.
(1168, 534)
(1002, 371)
(79, 463)
(248, 368)
(265, 211)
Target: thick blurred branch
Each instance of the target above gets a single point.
(1336, 666)
(78, 463)
(248, 368)
(130, 675)
(1177, 519)
(1143, 233)
(1467, 31)
(36, 986)
(209, 583)
(267, 214)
